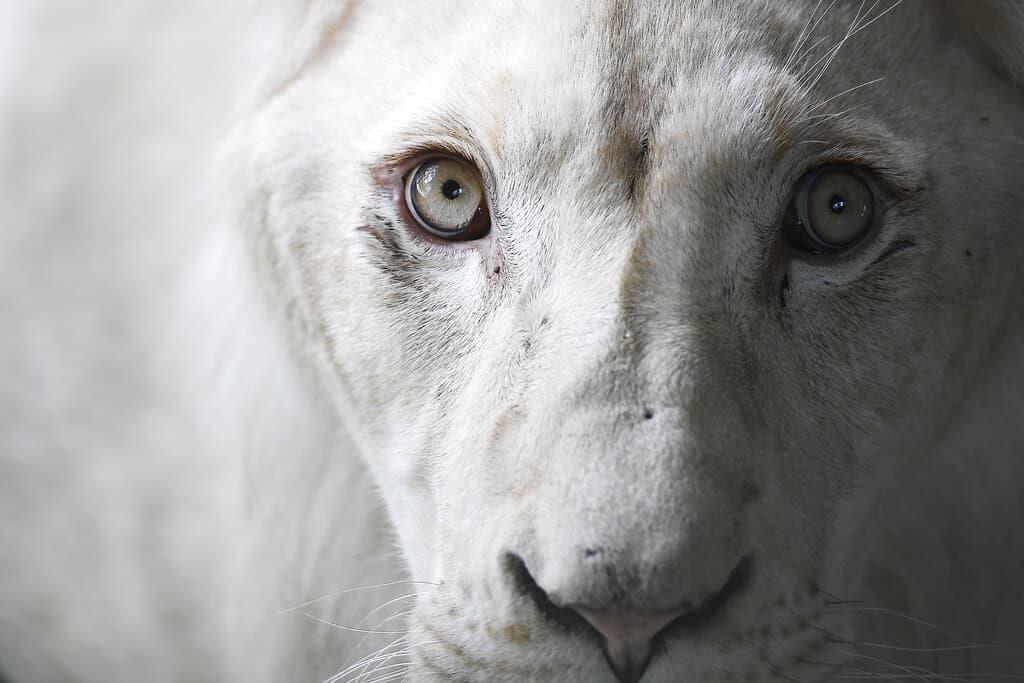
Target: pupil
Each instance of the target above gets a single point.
(451, 189)
(838, 204)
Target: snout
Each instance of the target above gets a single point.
(629, 546)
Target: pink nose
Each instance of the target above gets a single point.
(628, 638)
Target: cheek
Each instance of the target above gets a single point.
(407, 361)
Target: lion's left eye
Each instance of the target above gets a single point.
(832, 210)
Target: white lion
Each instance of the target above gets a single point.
(682, 340)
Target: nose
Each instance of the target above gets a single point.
(628, 638)
(629, 635)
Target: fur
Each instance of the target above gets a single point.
(247, 416)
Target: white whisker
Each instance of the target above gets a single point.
(846, 92)
(834, 52)
(952, 648)
(901, 615)
(348, 591)
(350, 629)
(805, 32)
(364, 662)
(910, 672)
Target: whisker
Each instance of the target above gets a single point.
(817, 22)
(397, 615)
(952, 678)
(393, 677)
(350, 629)
(805, 32)
(834, 52)
(391, 602)
(382, 671)
(845, 92)
(860, 23)
(952, 648)
(896, 4)
(864, 674)
(829, 54)
(364, 662)
(379, 608)
(894, 613)
(910, 671)
(348, 591)
(381, 656)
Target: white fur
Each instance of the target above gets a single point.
(210, 364)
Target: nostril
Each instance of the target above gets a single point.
(524, 584)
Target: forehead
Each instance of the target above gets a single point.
(632, 52)
(596, 62)
(610, 80)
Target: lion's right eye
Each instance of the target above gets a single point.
(445, 196)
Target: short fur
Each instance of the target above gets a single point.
(221, 341)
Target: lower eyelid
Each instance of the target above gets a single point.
(894, 248)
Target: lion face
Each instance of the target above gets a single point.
(703, 278)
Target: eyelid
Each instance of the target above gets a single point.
(386, 167)
(883, 173)
(394, 167)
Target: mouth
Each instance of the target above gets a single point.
(628, 658)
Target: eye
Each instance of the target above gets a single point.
(832, 210)
(446, 198)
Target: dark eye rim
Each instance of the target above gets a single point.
(802, 238)
(479, 228)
